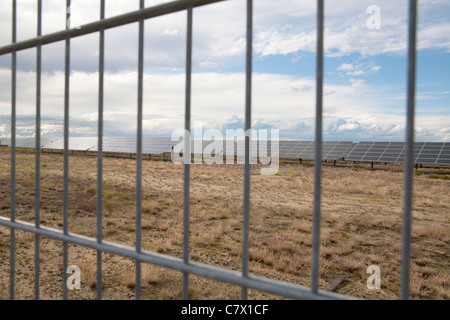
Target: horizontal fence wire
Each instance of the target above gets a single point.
(121, 20)
(276, 287)
(243, 278)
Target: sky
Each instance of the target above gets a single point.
(365, 71)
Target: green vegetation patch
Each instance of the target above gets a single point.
(436, 176)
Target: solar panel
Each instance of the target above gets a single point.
(5, 142)
(418, 147)
(430, 153)
(157, 145)
(392, 152)
(359, 151)
(82, 144)
(75, 143)
(119, 145)
(211, 147)
(331, 150)
(307, 151)
(423, 153)
(27, 142)
(150, 145)
(367, 151)
(290, 149)
(444, 155)
(285, 148)
(339, 150)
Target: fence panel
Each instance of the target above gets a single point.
(184, 265)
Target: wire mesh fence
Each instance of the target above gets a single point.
(244, 279)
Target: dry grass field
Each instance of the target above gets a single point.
(361, 226)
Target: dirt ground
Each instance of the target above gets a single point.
(361, 226)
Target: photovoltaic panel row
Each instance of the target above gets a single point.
(434, 153)
(290, 148)
(287, 148)
(29, 143)
(367, 151)
(424, 152)
(121, 145)
(75, 143)
(444, 156)
(342, 149)
(228, 147)
(331, 150)
(157, 145)
(153, 145)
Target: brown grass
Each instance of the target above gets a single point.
(361, 226)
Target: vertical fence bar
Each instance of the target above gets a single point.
(12, 259)
(101, 71)
(139, 153)
(66, 153)
(247, 168)
(409, 161)
(187, 154)
(318, 151)
(37, 184)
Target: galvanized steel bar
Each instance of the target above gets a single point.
(66, 153)
(12, 261)
(318, 151)
(127, 18)
(101, 71)
(409, 161)
(187, 154)
(276, 287)
(247, 167)
(137, 286)
(37, 184)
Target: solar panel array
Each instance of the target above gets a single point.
(154, 145)
(29, 143)
(424, 152)
(365, 151)
(291, 149)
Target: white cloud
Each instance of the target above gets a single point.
(219, 31)
(357, 83)
(434, 35)
(356, 73)
(359, 68)
(346, 67)
(375, 69)
(170, 32)
(352, 111)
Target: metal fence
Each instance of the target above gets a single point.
(184, 265)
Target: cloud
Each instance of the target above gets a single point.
(358, 68)
(219, 32)
(346, 67)
(170, 32)
(357, 83)
(353, 110)
(434, 35)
